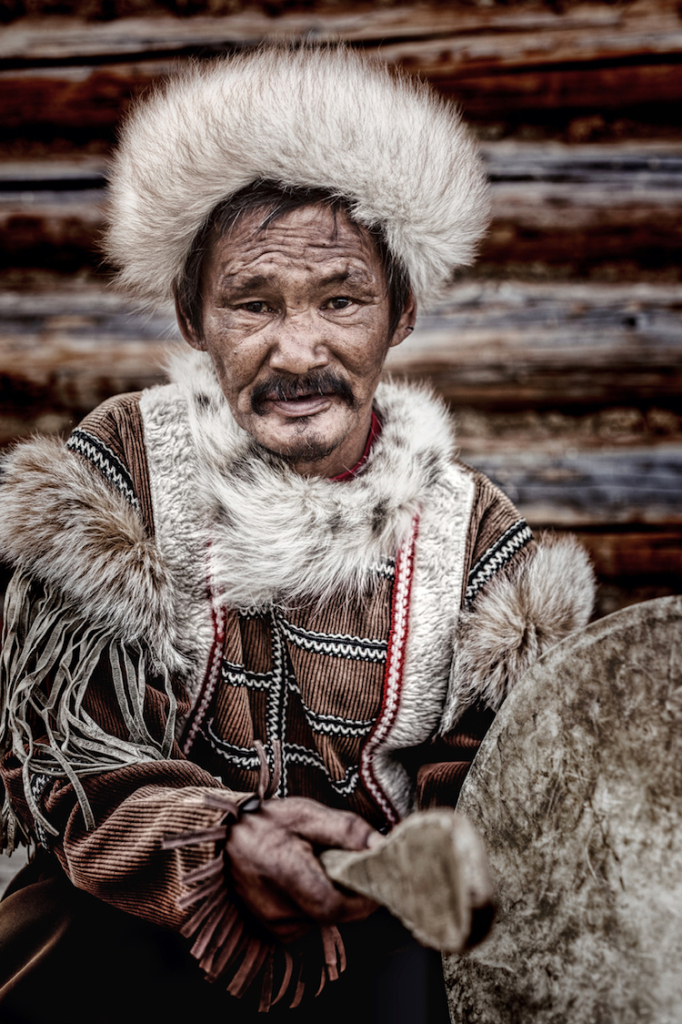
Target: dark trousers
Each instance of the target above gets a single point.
(67, 958)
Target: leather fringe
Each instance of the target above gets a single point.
(223, 944)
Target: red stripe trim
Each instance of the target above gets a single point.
(393, 676)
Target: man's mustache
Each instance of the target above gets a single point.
(279, 388)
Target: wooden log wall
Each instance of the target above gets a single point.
(560, 352)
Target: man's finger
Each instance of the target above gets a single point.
(277, 913)
(324, 826)
(277, 873)
(305, 882)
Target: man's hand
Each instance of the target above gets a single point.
(277, 874)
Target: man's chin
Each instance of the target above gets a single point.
(297, 450)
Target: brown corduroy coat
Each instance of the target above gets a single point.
(179, 596)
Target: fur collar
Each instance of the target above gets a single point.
(280, 538)
(274, 536)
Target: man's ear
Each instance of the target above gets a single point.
(406, 322)
(191, 336)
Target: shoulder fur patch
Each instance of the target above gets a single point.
(62, 522)
(515, 619)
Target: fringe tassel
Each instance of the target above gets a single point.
(300, 989)
(266, 990)
(254, 958)
(221, 942)
(44, 639)
(288, 971)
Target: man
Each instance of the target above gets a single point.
(272, 567)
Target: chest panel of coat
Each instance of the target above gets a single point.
(311, 679)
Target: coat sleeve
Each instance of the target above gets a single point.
(521, 596)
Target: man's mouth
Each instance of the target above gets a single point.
(301, 405)
(301, 396)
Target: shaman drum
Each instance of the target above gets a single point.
(577, 792)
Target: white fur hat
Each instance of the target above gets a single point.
(320, 117)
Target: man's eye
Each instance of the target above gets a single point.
(340, 302)
(254, 307)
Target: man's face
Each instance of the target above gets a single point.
(296, 321)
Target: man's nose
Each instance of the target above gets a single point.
(298, 345)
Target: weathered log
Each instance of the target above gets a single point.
(530, 32)
(511, 346)
(482, 431)
(654, 553)
(493, 59)
(590, 488)
(93, 100)
(583, 205)
(554, 204)
(582, 89)
(77, 98)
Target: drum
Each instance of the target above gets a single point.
(577, 792)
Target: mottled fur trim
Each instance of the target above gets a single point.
(424, 644)
(319, 117)
(60, 521)
(278, 537)
(515, 619)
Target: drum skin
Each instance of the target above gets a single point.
(577, 792)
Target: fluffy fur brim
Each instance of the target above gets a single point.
(318, 117)
(515, 620)
(63, 523)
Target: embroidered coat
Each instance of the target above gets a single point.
(179, 594)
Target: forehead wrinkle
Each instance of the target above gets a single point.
(354, 275)
(341, 233)
(298, 244)
(296, 248)
(240, 280)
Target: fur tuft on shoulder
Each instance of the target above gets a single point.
(61, 522)
(516, 618)
(315, 117)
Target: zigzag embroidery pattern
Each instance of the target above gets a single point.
(236, 675)
(331, 725)
(242, 757)
(294, 753)
(109, 465)
(340, 645)
(496, 557)
(385, 569)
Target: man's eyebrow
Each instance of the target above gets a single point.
(237, 285)
(353, 274)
